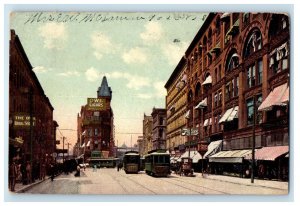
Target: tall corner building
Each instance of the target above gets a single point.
(95, 124)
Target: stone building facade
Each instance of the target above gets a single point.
(159, 128)
(147, 134)
(176, 105)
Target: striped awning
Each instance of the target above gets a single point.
(278, 97)
(208, 80)
(207, 122)
(225, 115)
(187, 115)
(202, 104)
(231, 156)
(269, 153)
(212, 148)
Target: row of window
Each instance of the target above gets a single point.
(275, 139)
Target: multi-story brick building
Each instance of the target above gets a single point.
(159, 128)
(95, 124)
(28, 141)
(238, 86)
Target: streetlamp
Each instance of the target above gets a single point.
(187, 117)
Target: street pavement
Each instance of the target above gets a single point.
(110, 181)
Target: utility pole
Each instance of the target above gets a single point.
(64, 149)
(68, 144)
(253, 140)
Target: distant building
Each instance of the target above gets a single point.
(95, 124)
(159, 128)
(147, 133)
(124, 148)
(140, 145)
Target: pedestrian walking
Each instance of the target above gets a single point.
(77, 174)
(95, 168)
(23, 172)
(28, 172)
(12, 175)
(52, 171)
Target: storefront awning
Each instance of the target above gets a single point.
(225, 115)
(269, 153)
(232, 156)
(88, 144)
(230, 114)
(233, 114)
(225, 15)
(278, 97)
(208, 80)
(207, 122)
(202, 104)
(213, 147)
(187, 115)
(195, 155)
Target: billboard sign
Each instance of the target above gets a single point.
(96, 104)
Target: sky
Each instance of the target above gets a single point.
(137, 52)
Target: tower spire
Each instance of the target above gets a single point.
(104, 90)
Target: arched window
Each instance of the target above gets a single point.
(278, 23)
(218, 26)
(190, 96)
(253, 43)
(198, 90)
(232, 61)
(209, 39)
(204, 44)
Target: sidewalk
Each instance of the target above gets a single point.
(20, 188)
(246, 181)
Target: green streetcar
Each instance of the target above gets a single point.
(157, 163)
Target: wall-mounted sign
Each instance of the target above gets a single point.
(19, 139)
(23, 120)
(189, 132)
(96, 104)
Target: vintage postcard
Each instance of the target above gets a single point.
(149, 103)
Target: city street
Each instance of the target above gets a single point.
(110, 181)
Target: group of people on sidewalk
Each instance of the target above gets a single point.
(25, 172)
